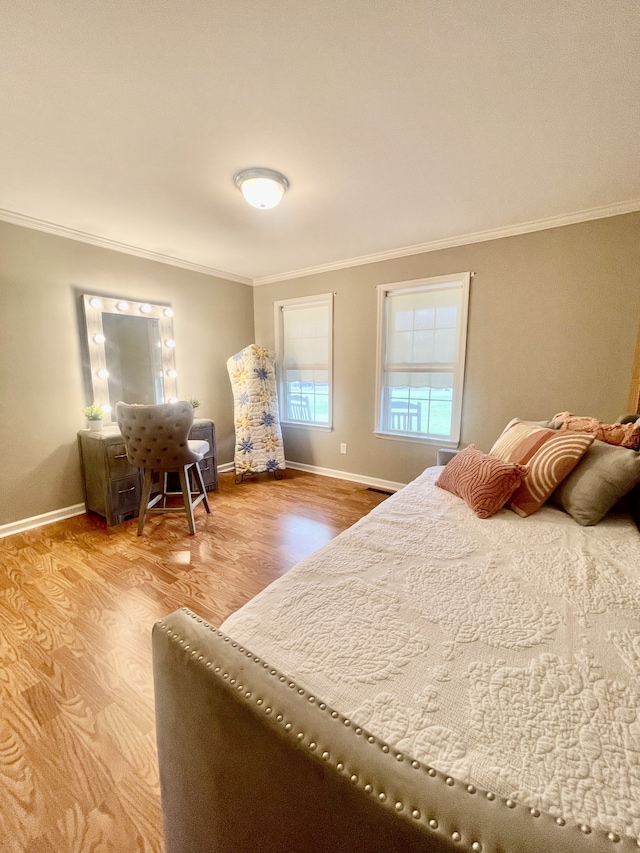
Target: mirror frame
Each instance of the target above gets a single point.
(94, 308)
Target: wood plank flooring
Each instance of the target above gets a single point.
(78, 769)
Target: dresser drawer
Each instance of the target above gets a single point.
(125, 494)
(117, 461)
(208, 469)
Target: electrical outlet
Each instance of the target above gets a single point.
(343, 448)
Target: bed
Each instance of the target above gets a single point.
(428, 681)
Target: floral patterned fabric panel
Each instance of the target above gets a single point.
(259, 444)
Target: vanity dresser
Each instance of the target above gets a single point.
(113, 486)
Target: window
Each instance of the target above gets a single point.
(422, 331)
(304, 342)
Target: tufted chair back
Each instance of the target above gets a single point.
(156, 437)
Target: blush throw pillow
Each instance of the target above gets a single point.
(484, 482)
(550, 455)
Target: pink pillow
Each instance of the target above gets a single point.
(484, 482)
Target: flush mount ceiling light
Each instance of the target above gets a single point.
(262, 188)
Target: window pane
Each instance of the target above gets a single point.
(401, 347)
(423, 347)
(424, 410)
(307, 402)
(403, 321)
(445, 346)
(425, 318)
(446, 317)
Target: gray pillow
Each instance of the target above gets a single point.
(605, 474)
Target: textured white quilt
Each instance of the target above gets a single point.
(504, 651)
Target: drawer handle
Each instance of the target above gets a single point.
(205, 467)
(124, 491)
(120, 456)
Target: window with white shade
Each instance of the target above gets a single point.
(304, 344)
(422, 333)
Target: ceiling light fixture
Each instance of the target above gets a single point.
(262, 188)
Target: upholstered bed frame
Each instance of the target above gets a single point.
(250, 761)
(503, 650)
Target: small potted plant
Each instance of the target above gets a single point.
(94, 415)
(195, 403)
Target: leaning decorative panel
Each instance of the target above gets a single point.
(259, 444)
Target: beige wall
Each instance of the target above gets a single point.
(553, 321)
(42, 391)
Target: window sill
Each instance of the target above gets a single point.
(416, 439)
(302, 425)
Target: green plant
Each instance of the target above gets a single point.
(93, 412)
(194, 402)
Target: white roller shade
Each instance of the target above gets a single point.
(422, 337)
(306, 339)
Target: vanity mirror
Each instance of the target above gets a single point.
(131, 352)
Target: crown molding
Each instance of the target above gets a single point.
(463, 240)
(14, 218)
(602, 212)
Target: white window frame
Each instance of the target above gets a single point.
(325, 299)
(457, 368)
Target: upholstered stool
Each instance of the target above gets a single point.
(156, 440)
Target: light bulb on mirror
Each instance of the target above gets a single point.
(173, 399)
(170, 343)
(172, 374)
(103, 374)
(95, 302)
(146, 308)
(99, 339)
(122, 306)
(168, 312)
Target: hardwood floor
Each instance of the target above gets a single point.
(78, 769)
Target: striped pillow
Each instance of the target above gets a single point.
(550, 455)
(484, 482)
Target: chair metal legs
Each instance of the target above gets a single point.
(190, 504)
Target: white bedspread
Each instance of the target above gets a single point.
(505, 651)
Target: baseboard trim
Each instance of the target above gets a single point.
(78, 509)
(347, 475)
(41, 520)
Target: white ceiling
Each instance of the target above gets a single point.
(398, 123)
